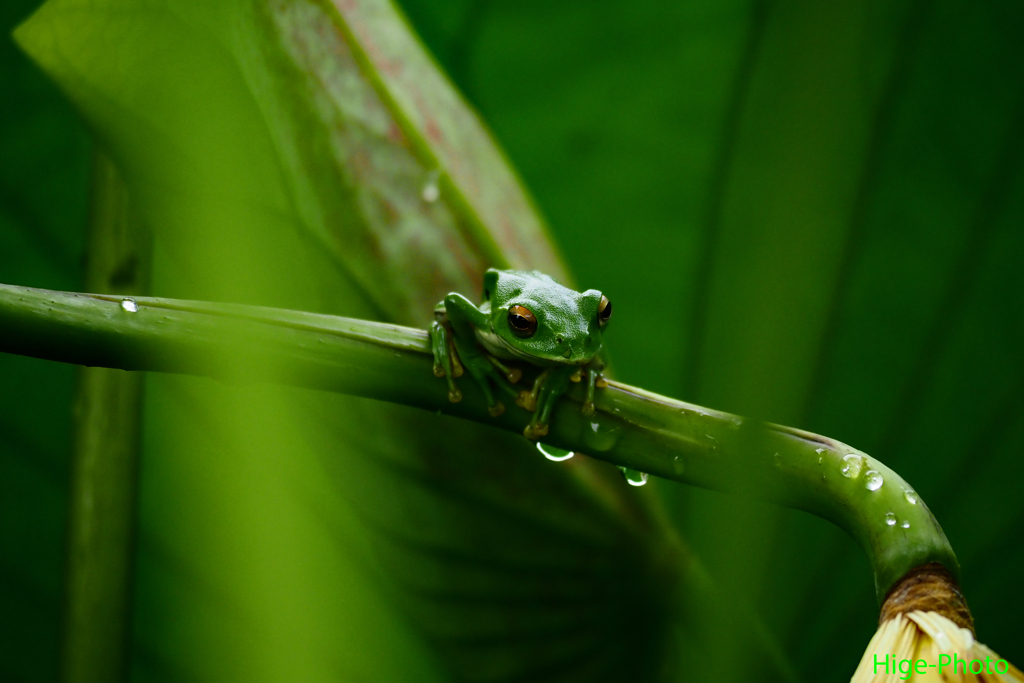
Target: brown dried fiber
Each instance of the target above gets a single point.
(929, 588)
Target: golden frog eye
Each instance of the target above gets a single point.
(604, 311)
(521, 321)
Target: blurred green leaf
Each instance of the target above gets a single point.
(283, 155)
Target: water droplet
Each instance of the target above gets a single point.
(819, 451)
(778, 460)
(911, 497)
(431, 192)
(129, 305)
(890, 519)
(736, 423)
(874, 480)
(634, 477)
(852, 465)
(552, 453)
(677, 465)
(906, 524)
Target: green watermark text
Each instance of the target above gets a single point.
(890, 665)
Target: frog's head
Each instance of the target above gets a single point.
(541, 321)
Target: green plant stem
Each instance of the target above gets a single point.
(632, 427)
(104, 463)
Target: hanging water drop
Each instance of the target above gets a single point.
(890, 519)
(129, 305)
(634, 477)
(874, 480)
(677, 465)
(852, 465)
(906, 524)
(554, 454)
(911, 497)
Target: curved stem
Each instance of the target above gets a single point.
(631, 427)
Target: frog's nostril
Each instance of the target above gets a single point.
(558, 340)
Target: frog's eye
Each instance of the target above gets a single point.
(604, 311)
(521, 321)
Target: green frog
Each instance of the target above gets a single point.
(527, 317)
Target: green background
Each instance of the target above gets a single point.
(807, 212)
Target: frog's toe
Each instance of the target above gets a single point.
(576, 376)
(438, 370)
(497, 409)
(454, 395)
(514, 375)
(601, 382)
(526, 400)
(588, 408)
(534, 431)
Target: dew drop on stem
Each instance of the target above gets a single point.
(852, 465)
(554, 454)
(634, 477)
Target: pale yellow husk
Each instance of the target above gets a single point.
(925, 636)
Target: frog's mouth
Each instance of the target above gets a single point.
(537, 360)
